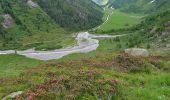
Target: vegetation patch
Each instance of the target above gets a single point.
(117, 21)
(83, 84)
(13, 65)
(127, 63)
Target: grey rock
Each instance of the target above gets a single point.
(12, 95)
(168, 45)
(7, 21)
(137, 52)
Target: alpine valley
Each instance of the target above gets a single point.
(84, 49)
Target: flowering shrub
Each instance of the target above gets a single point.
(83, 83)
(127, 63)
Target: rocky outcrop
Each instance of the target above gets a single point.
(12, 95)
(137, 52)
(7, 21)
(31, 4)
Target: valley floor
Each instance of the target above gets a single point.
(106, 73)
(79, 76)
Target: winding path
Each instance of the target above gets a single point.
(85, 43)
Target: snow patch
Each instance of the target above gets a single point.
(152, 1)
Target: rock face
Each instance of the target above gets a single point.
(31, 3)
(7, 21)
(137, 52)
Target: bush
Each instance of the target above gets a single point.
(79, 84)
(128, 63)
(49, 47)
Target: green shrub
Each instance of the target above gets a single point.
(132, 64)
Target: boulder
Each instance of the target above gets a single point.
(137, 52)
(12, 95)
(168, 45)
(7, 21)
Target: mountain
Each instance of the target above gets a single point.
(140, 6)
(73, 14)
(43, 23)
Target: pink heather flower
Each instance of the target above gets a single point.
(29, 97)
(17, 97)
(113, 62)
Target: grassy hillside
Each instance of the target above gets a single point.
(105, 75)
(42, 28)
(31, 27)
(141, 6)
(156, 28)
(73, 14)
(13, 65)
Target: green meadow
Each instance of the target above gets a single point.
(13, 65)
(119, 20)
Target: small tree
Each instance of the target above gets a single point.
(148, 46)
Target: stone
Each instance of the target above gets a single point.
(137, 52)
(7, 21)
(168, 45)
(12, 95)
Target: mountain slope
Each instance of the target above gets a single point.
(153, 33)
(73, 14)
(30, 26)
(141, 6)
(157, 27)
(24, 24)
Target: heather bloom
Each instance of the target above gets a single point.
(17, 97)
(29, 97)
